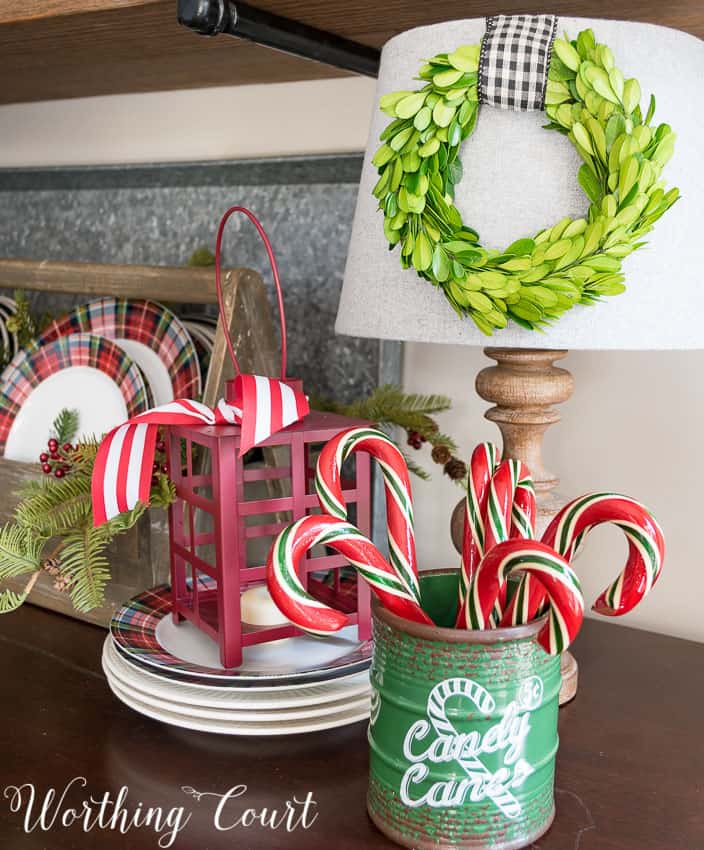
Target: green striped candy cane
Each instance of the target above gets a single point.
(285, 563)
(397, 485)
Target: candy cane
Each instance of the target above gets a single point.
(550, 570)
(482, 465)
(499, 506)
(304, 610)
(523, 526)
(399, 504)
(524, 509)
(510, 513)
(646, 545)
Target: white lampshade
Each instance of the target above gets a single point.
(520, 178)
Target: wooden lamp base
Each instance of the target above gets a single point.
(523, 386)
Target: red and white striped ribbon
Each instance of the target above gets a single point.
(123, 466)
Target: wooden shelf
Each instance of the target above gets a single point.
(74, 48)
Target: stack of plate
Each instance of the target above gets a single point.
(170, 672)
(109, 359)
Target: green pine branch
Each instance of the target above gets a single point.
(414, 468)
(10, 601)
(390, 406)
(83, 559)
(84, 564)
(65, 426)
(20, 550)
(50, 508)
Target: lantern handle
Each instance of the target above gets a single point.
(277, 281)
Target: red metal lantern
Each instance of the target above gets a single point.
(220, 512)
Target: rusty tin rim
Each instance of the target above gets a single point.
(434, 844)
(448, 635)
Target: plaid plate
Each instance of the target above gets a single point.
(133, 629)
(142, 321)
(29, 367)
(514, 61)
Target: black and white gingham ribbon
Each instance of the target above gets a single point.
(514, 61)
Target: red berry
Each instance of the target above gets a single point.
(55, 455)
(155, 467)
(165, 468)
(59, 473)
(155, 480)
(68, 447)
(46, 468)
(43, 457)
(161, 446)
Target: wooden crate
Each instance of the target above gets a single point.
(140, 558)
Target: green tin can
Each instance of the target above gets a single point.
(463, 729)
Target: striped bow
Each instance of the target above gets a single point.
(123, 467)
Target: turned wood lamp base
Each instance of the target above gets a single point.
(523, 387)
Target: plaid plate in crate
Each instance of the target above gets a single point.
(141, 321)
(29, 367)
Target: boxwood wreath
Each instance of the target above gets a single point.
(533, 281)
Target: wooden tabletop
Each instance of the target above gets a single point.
(629, 767)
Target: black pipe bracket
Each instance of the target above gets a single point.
(213, 17)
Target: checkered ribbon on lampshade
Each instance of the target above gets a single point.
(514, 61)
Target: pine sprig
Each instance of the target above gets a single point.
(51, 508)
(20, 550)
(60, 511)
(414, 468)
(10, 601)
(65, 427)
(389, 406)
(83, 560)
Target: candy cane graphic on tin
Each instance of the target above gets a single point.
(502, 798)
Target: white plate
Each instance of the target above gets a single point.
(152, 365)
(86, 373)
(266, 696)
(208, 331)
(195, 331)
(97, 398)
(241, 711)
(222, 727)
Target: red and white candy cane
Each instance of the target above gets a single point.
(399, 504)
(304, 610)
(646, 545)
(551, 571)
(523, 513)
(482, 465)
(510, 513)
(517, 610)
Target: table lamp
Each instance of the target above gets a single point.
(519, 178)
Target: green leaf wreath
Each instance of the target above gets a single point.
(533, 281)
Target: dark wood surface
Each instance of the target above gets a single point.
(73, 48)
(629, 776)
